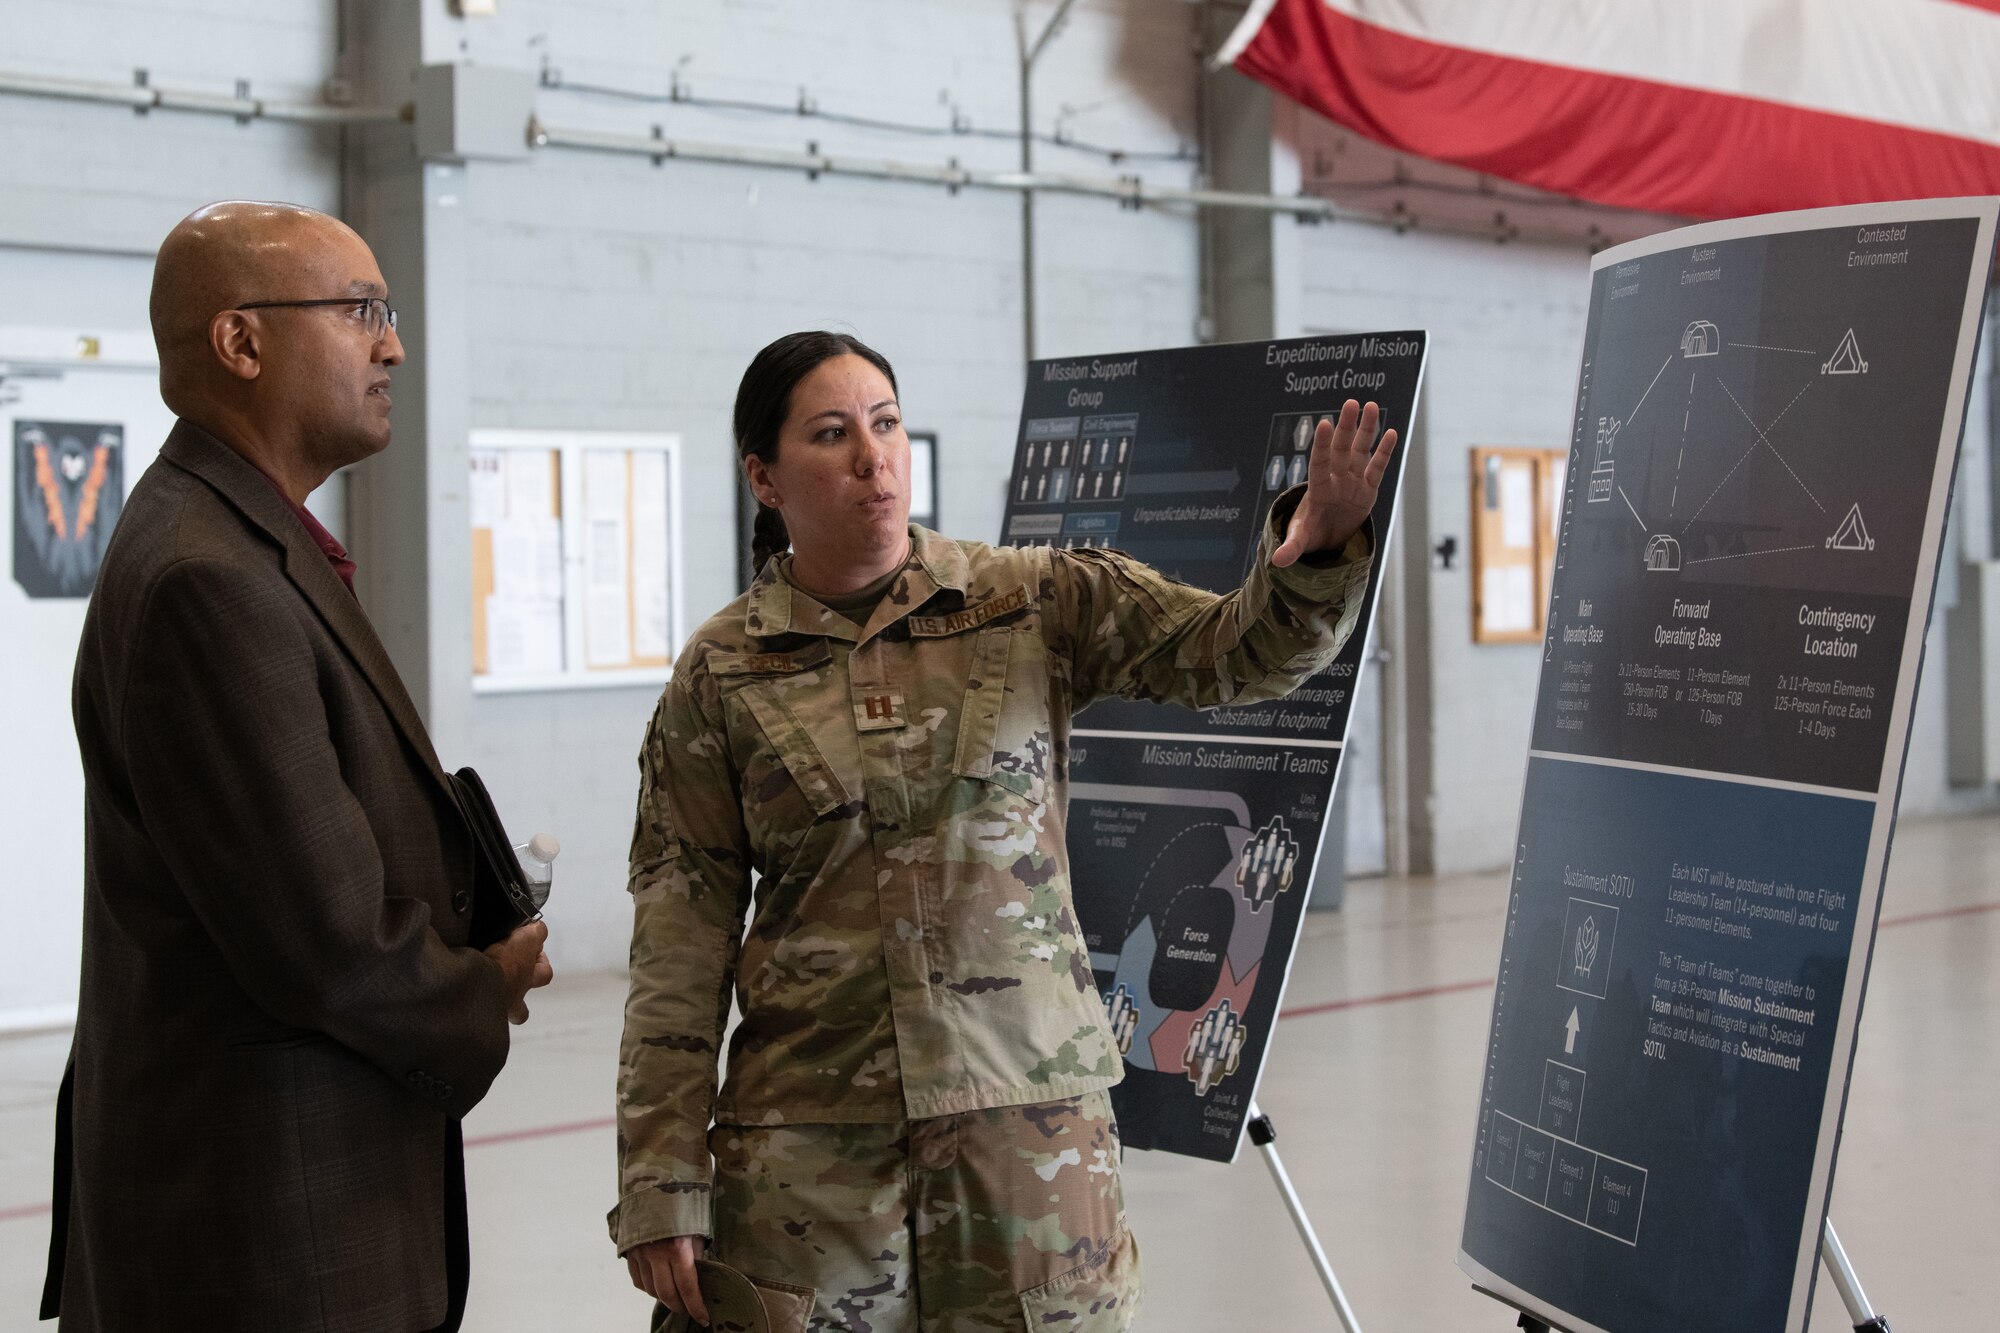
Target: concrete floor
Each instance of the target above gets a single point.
(1371, 1081)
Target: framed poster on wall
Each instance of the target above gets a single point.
(923, 478)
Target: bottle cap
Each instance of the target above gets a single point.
(544, 848)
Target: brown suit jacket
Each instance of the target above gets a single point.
(278, 1022)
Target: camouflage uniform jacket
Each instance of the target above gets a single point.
(900, 792)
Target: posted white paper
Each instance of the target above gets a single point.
(607, 630)
(1507, 598)
(488, 487)
(1517, 507)
(652, 625)
(523, 638)
(531, 486)
(1558, 474)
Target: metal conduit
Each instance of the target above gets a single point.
(1128, 190)
(141, 98)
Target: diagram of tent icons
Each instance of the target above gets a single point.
(1264, 867)
(1604, 474)
(1214, 1048)
(1701, 338)
(1663, 554)
(1846, 358)
(1852, 535)
(1122, 1011)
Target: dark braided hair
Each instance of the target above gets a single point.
(764, 400)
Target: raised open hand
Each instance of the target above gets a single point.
(1342, 478)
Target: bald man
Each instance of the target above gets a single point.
(280, 1023)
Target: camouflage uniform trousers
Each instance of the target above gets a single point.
(1005, 1219)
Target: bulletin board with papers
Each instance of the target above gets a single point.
(575, 558)
(1515, 502)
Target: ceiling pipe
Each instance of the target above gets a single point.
(141, 97)
(1132, 191)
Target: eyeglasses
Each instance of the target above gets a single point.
(374, 311)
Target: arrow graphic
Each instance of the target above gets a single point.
(1569, 1033)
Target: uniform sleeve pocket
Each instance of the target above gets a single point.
(1097, 1297)
(653, 840)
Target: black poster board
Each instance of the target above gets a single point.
(1767, 422)
(1193, 836)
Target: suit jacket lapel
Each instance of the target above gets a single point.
(240, 483)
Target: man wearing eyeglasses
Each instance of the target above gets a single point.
(279, 1023)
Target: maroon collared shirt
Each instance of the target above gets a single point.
(329, 545)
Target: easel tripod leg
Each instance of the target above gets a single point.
(1847, 1284)
(1265, 1135)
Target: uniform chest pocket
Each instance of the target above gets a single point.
(1003, 729)
(782, 752)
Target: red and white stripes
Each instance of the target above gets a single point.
(1711, 108)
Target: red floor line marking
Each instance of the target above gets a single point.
(1942, 914)
(1303, 1011)
(540, 1132)
(1363, 1001)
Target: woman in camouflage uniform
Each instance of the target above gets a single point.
(915, 1132)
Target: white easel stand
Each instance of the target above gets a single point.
(1265, 1135)
(1847, 1284)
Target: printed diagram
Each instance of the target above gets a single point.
(1853, 533)
(1122, 1012)
(1287, 455)
(1542, 1160)
(1178, 954)
(1264, 868)
(1604, 475)
(1105, 456)
(1590, 934)
(1072, 461)
(1214, 1048)
(1671, 496)
(1846, 358)
(1048, 465)
(1663, 554)
(1290, 451)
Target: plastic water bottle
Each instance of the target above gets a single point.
(537, 857)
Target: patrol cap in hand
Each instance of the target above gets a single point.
(737, 1305)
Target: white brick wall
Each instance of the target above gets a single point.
(613, 294)
(606, 293)
(84, 176)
